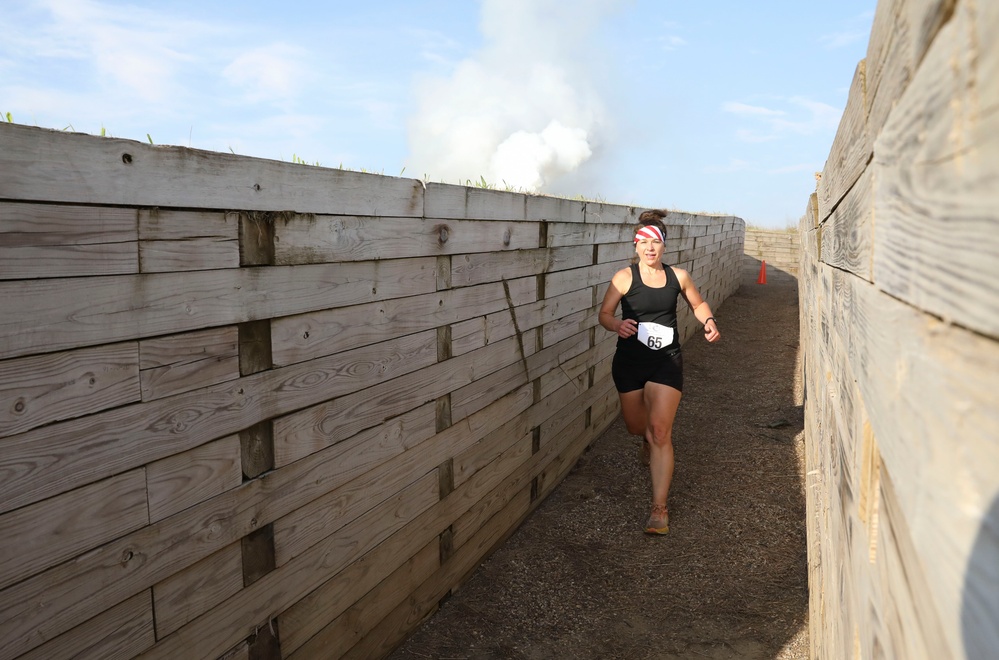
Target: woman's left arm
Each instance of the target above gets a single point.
(701, 309)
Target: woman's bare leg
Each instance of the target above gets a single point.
(633, 409)
(661, 402)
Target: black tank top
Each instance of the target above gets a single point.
(648, 304)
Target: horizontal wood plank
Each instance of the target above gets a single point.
(479, 268)
(193, 476)
(357, 621)
(449, 201)
(46, 461)
(53, 166)
(851, 148)
(214, 632)
(49, 240)
(935, 239)
(55, 314)
(36, 537)
(307, 336)
(848, 234)
(180, 363)
(189, 593)
(40, 389)
(171, 225)
(309, 239)
(119, 633)
(188, 254)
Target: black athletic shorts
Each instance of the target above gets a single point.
(631, 372)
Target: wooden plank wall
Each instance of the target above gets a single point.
(900, 335)
(780, 249)
(259, 409)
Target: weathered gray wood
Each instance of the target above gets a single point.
(554, 209)
(354, 623)
(40, 389)
(479, 268)
(67, 594)
(224, 625)
(46, 461)
(44, 534)
(307, 336)
(942, 494)
(170, 225)
(66, 313)
(599, 212)
(180, 363)
(190, 254)
(936, 199)
(301, 434)
(851, 148)
(589, 234)
(332, 238)
(343, 417)
(476, 333)
(119, 633)
(449, 201)
(48, 165)
(902, 32)
(185, 479)
(579, 278)
(187, 594)
(848, 234)
(44, 240)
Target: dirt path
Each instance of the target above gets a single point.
(579, 579)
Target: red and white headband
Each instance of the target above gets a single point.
(650, 231)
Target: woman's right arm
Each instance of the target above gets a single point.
(619, 285)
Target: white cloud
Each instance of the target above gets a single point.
(841, 39)
(671, 42)
(800, 116)
(269, 73)
(744, 109)
(733, 165)
(525, 109)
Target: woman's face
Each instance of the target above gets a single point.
(649, 250)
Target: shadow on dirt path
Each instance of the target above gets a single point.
(579, 579)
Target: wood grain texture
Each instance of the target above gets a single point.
(848, 233)
(119, 633)
(306, 239)
(185, 479)
(40, 389)
(36, 537)
(46, 461)
(351, 626)
(223, 626)
(43, 240)
(52, 166)
(452, 202)
(191, 592)
(174, 364)
(308, 336)
(936, 199)
(188, 254)
(851, 148)
(55, 314)
(479, 268)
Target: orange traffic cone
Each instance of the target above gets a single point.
(762, 279)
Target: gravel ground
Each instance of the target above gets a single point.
(579, 579)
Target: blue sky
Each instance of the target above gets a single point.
(717, 106)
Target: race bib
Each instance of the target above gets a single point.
(655, 336)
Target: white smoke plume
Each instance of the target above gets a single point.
(524, 111)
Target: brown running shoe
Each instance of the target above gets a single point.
(658, 520)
